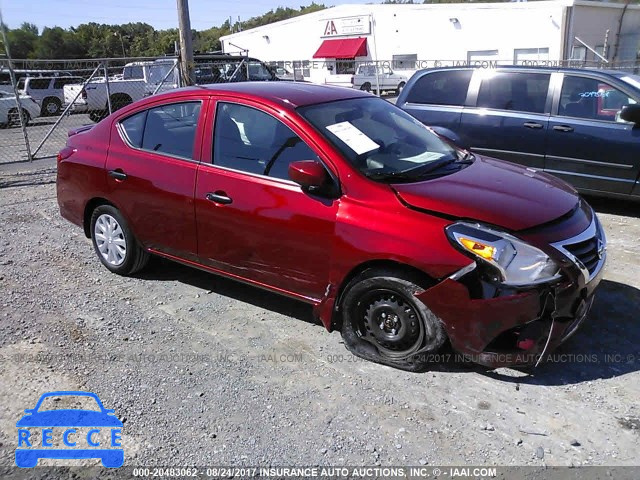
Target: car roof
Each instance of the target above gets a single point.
(284, 93)
(610, 73)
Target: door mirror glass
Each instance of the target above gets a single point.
(309, 174)
(631, 113)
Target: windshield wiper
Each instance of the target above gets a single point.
(426, 168)
(420, 171)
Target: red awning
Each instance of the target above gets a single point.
(342, 48)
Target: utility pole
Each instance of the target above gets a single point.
(186, 47)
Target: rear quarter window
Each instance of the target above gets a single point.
(441, 88)
(133, 128)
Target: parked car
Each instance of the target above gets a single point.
(566, 122)
(138, 80)
(233, 68)
(342, 200)
(9, 110)
(365, 79)
(47, 91)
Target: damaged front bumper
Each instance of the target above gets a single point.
(496, 325)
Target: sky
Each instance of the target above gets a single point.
(161, 14)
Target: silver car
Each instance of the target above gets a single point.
(9, 109)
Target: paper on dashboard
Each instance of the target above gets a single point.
(355, 139)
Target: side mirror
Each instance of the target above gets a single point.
(631, 113)
(450, 136)
(309, 174)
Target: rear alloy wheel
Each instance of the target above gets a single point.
(14, 119)
(384, 322)
(115, 245)
(51, 107)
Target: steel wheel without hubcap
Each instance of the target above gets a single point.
(388, 321)
(110, 240)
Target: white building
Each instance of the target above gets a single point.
(329, 43)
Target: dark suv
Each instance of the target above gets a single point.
(581, 125)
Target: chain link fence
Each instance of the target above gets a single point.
(55, 96)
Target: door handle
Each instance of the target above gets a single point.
(532, 125)
(118, 174)
(563, 128)
(218, 197)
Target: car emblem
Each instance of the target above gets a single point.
(601, 249)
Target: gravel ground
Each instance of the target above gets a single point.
(206, 371)
(13, 148)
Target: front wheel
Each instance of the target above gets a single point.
(114, 243)
(383, 321)
(400, 87)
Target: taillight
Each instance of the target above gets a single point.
(65, 153)
(83, 94)
(352, 80)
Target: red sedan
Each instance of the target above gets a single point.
(397, 237)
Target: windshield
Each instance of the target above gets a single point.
(633, 80)
(379, 139)
(132, 72)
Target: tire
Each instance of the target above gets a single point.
(118, 101)
(114, 243)
(13, 120)
(383, 321)
(400, 87)
(366, 86)
(51, 107)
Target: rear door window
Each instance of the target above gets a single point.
(171, 129)
(39, 83)
(523, 92)
(441, 88)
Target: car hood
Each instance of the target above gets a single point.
(69, 418)
(494, 192)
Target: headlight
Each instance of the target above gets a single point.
(516, 262)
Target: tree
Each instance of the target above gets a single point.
(23, 40)
(94, 40)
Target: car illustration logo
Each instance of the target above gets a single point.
(85, 433)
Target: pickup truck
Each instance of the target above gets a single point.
(138, 80)
(365, 79)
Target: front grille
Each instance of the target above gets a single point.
(587, 252)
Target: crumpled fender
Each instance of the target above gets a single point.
(471, 324)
